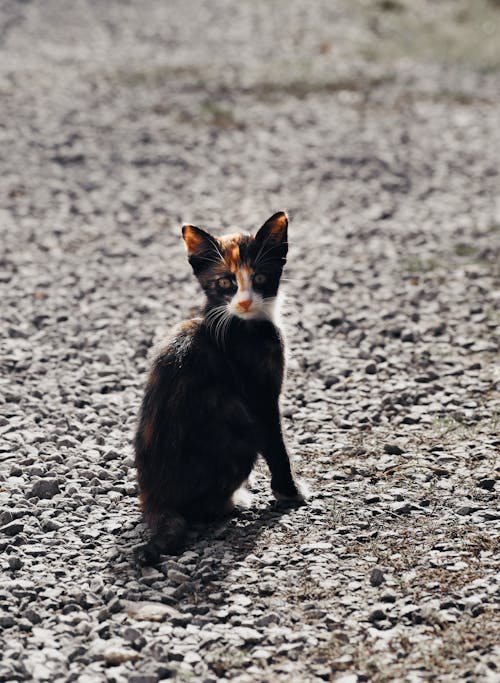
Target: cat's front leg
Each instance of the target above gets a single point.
(273, 449)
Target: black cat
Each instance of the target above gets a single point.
(211, 400)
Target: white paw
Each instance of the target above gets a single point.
(242, 498)
(304, 489)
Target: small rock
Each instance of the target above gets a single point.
(408, 337)
(177, 577)
(7, 621)
(12, 529)
(377, 615)
(393, 449)
(130, 634)
(32, 616)
(467, 510)
(331, 380)
(115, 655)
(150, 575)
(401, 508)
(376, 577)
(428, 377)
(371, 369)
(247, 634)
(388, 597)
(267, 619)
(15, 563)
(149, 611)
(490, 515)
(488, 484)
(44, 489)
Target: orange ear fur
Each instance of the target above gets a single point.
(274, 228)
(279, 223)
(194, 238)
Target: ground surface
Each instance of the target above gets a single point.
(377, 127)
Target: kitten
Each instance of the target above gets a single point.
(211, 400)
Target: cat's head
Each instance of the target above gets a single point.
(240, 274)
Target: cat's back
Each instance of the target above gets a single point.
(184, 356)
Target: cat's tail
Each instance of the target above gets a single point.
(168, 537)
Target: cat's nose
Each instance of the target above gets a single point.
(245, 304)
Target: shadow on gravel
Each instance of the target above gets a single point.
(211, 550)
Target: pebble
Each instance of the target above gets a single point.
(488, 484)
(12, 529)
(393, 449)
(44, 489)
(376, 577)
(177, 577)
(149, 611)
(15, 563)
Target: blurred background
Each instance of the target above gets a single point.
(148, 105)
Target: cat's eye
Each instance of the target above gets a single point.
(225, 283)
(259, 279)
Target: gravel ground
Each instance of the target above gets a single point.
(378, 129)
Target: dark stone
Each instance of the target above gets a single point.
(428, 377)
(12, 529)
(7, 621)
(44, 488)
(376, 577)
(371, 369)
(15, 563)
(32, 616)
(331, 380)
(467, 510)
(393, 449)
(488, 484)
(403, 509)
(388, 597)
(377, 615)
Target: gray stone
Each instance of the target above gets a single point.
(393, 449)
(44, 489)
(376, 577)
(12, 529)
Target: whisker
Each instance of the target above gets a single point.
(227, 326)
(210, 260)
(220, 329)
(217, 245)
(260, 255)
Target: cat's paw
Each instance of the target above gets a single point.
(296, 493)
(242, 498)
(148, 554)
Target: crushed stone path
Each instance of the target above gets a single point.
(118, 122)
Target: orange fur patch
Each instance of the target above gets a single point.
(279, 224)
(242, 285)
(231, 250)
(192, 238)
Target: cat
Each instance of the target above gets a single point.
(211, 400)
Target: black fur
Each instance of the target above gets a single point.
(208, 409)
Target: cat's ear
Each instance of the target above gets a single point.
(201, 247)
(196, 240)
(273, 236)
